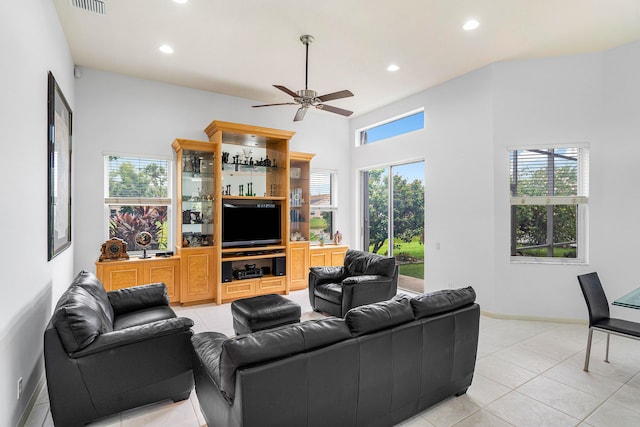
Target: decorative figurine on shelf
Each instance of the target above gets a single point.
(195, 161)
(337, 238)
(247, 152)
(187, 166)
(321, 238)
(225, 157)
(114, 249)
(144, 239)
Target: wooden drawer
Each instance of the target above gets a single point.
(271, 285)
(239, 289)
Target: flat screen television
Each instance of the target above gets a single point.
(250, 224)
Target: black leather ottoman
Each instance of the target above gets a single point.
(263, 312)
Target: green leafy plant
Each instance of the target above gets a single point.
(128, 221)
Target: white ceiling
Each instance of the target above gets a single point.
(243, 47)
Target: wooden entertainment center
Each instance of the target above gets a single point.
(242, 210)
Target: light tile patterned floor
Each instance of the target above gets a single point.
(527, 374)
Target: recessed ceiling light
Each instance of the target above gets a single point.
(393, 67)
(165, 48)
(181, 1)
(471, 24)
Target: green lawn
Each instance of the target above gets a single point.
(412, 270)
(404, 250)
(414, 249)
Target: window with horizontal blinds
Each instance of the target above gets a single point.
(548, 196)
(137, 198)
(323, 204)
(137, 178)
(320, 189)
(549, 176)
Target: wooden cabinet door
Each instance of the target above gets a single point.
(318, 258)
(118, 275)
(197, 271)
(166, 271)
(337, 256)
(298, 265)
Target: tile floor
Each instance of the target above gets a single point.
(527, 374)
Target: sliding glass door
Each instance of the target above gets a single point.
(393, 218)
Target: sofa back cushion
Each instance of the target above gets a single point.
(94, 287)
(359, 262)
(441, 301)
(82, 313)
(271, 344)
(381, 315)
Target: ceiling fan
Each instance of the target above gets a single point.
(309, 98)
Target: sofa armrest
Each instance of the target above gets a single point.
(135, 334)
(365, 278)
(320, 275)
(207, 348)
(136, 298)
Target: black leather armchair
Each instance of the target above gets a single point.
(109, 352)
(364, 278)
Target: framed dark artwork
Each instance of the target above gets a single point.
(59, 125)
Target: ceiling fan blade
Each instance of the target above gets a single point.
(336, 110)
(287, 91)
(271, 105)
(335, 95)
(300, 114)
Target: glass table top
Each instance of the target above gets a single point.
(631, 300)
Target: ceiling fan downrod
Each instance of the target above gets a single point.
(306, 40)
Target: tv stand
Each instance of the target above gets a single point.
(251, 168)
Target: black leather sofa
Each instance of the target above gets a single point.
(108, 352)
(381, 364)
(363, 279)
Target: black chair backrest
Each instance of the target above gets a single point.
(594, 296)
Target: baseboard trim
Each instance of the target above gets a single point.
(533, 318)
(32, 402)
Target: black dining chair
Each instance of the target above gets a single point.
(599, 319)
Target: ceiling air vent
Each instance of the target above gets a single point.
(95, 6)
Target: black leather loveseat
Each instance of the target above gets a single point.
(363, 279)
(381, 364)
(108, 352)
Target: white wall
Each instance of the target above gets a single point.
(456, 147)
(469, 123)
(128, 115)
(33, 44)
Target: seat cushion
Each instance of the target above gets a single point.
(142, 317)
(263, 312)
(331, 292)
(620, 326)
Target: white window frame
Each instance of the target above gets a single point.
(359, 133)
(333, 206)
(140, 201)
(581, 200)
